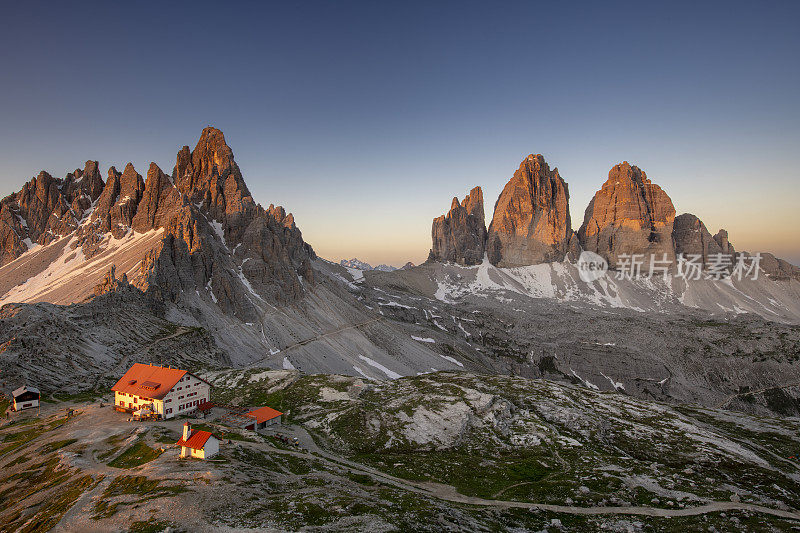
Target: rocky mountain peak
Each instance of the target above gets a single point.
(531, 222)
(209, 175)
(119, 201)
(692, 238)
(158, 199)
(629, 215)
(473, 203)
(460, 235)
(721, 238)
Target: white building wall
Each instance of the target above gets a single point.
(131, 401)
(186, 395)
(211, 447)
(208, 451)
(27, 404)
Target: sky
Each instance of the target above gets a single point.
(365, 119)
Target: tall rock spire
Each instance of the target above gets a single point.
(209, 174)
(531, 222)
(629, 215)
(460, 236)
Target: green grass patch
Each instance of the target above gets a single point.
(151, 526)
(363, 479)
(89, 396)
(49, 512)
(48, 516)
(114, 443)
(136, 455)
(14, 441)
(141, 487)
(471, 475)
(57, 445)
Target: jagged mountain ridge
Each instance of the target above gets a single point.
(531, 225)
(204, 211)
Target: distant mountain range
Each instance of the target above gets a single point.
(363, 265)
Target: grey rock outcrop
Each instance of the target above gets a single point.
(721, 238)
(460, 235)
(778, 269)
(692, 238)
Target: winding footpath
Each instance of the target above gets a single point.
(313, 339)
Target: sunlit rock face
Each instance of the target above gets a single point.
(531, 222)
(629, 215)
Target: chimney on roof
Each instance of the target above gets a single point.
(187, 430)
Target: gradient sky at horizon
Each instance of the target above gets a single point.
(365, 118)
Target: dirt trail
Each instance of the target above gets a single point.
(123, 363)
(313, 339)
(732, 397)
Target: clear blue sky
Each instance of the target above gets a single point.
(366, 118)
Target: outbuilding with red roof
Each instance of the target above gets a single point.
(198, 443)
(263, 417)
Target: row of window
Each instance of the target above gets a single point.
(190, 404)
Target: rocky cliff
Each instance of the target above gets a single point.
(460, 235)
(629, 215)
(531, 222)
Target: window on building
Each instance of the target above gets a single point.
(169, 411)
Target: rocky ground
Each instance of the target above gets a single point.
(442, 451)
(494, 321)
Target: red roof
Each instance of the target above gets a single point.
(197, 440)
(149, 381)
(263, 414)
